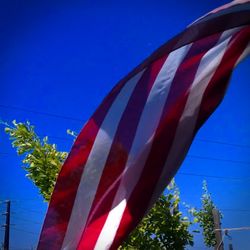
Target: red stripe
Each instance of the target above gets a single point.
(62, 200)
(218, 85)
(64, 194)
(163, 139)
(118, 155)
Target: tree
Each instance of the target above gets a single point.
(42, 161)
(204, 217)
(163, 228)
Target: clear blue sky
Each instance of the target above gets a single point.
(62, 57)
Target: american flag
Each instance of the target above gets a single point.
(134, 143)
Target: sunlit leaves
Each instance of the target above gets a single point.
(204, 217)
(163, 228)
(42, 160)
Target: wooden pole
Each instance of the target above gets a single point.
(217, 227)
(230, 246)
(7, 227)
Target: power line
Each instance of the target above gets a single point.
(38, 211)
(26, 220)
(40, 112)
(31, 211)
(25, 199)
(236, 210)
(81, 120)
(3, 153)
(15, 200)
(234, 229)
(218, 159)
(206, 158)
(36, 222)
(18, 248)
(59, 138)
(27, 209)
(223, 143)
(214, 176)
(21, 230)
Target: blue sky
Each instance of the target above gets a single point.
(63, 57)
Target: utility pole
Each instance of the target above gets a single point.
(217, 230)
(226, 230)
(230, 245)
(7, 227)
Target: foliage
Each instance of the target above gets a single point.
(72, 133)
(42, 160)
(163, 228)
(204, 217)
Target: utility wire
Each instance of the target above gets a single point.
(234, 229)
(180, 173)
(40, 113)
(25, 208)
(222, 209)
(38, 211)
(218, 159)
(26, 220)
(21, 230)
(223, 143)
(18, 248)
(59, 138)
(214, 176)
(235, 210)
(31, 211)
(16, 200)
(204, 158)
(80, 120)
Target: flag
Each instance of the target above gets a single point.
(135, 141)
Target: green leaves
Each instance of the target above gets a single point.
(42, 160)
(204, 217)
(163, 228)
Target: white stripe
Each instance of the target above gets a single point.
(95, 165)
(141, 145)
(187, 123)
